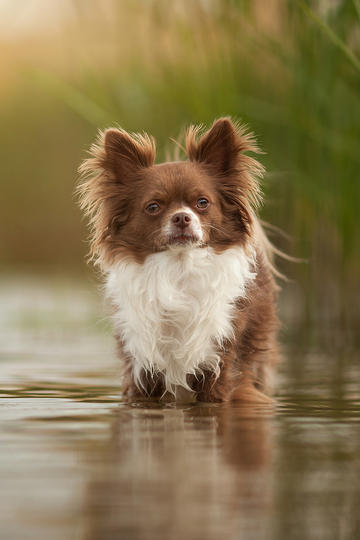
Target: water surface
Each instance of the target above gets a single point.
(76, 462)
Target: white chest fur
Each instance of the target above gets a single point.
(173, 312)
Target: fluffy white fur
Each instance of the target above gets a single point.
(174, 312)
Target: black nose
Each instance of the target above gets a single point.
(181, 219)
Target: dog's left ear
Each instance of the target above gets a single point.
(223, 150)
(219, 147)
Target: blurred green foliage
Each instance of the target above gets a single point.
(290, 69)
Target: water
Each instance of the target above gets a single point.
(78, 463)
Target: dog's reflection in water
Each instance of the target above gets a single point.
(172, 472)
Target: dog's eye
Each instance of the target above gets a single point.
(202, 203)
(152, 208)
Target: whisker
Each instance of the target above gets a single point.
(215, 228)
(156, 231)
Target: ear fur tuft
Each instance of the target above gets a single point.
(124, 151)
(222, 149)
(217, 147)
(106, 178)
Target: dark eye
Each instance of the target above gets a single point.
(202, 203)
(152, 208)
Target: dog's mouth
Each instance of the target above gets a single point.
(182, 239)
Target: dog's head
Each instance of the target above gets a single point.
(137, 207)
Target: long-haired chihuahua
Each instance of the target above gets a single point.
(188, 267)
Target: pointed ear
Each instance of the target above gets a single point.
(125, 153)
(223, 149)
(107, 184)
(219, 147)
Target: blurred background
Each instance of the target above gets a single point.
(288, 68)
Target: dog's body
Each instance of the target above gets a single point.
(186, 262)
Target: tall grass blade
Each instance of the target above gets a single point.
(334, 38)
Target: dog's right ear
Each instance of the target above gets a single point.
(125, 153)
(107, 184)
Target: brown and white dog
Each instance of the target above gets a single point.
(187, 264)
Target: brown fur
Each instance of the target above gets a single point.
(120, 181)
